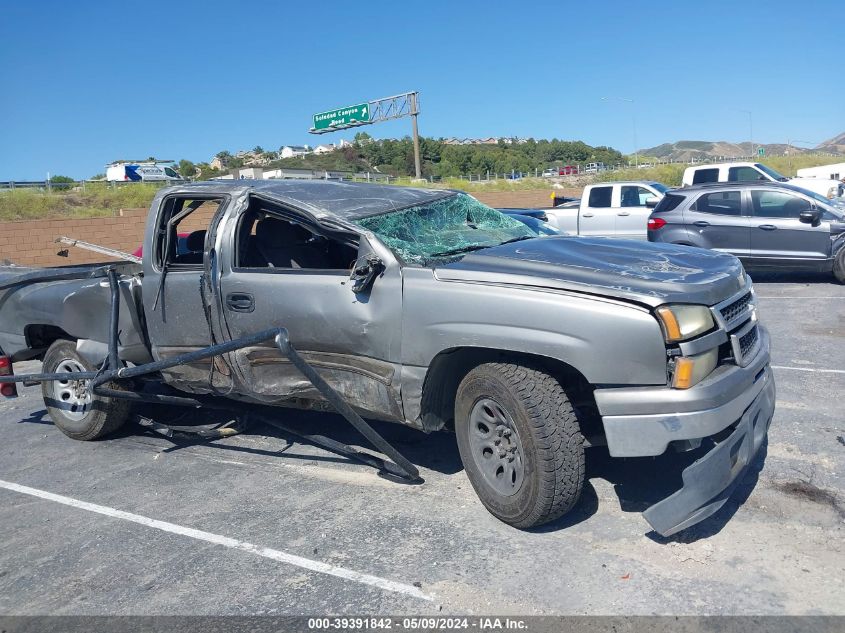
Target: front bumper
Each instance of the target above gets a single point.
(739, 398)
(711, 480)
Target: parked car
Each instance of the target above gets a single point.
(535, 219)
(767, 225)
(613, 209)
(757, 172)
(568, 170)
(422, 307)
(551, 172)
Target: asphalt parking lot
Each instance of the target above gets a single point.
(264, 524)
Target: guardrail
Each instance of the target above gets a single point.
(49, 185)
(581, 169)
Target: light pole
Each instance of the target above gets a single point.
(633, 125)
(750, 132)
(791, 143)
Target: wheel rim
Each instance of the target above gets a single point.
(496, 447)
(71, 396)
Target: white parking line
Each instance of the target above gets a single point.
(821, 371)
(225, 541)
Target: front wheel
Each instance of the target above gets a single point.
(78, 413)
(520, 443)
(839, 266)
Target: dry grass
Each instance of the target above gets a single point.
(96, 200)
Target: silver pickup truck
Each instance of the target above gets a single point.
(423, 307)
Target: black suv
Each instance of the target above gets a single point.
(767, 225)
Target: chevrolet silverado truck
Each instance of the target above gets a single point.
(611, 209)
(426, 308)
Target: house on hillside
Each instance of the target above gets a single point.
(325, 149)
(294, 151)
(221, 164)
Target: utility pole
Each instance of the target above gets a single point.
(414, 112)
(633, 125)
(791, 143)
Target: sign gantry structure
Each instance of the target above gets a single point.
(375, 111)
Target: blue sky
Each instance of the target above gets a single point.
(83, 83)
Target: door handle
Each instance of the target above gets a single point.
(240, 302)
(767, 227)
(701, 223)
(623, 213)
(586, 215)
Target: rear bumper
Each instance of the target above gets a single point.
(735, 400)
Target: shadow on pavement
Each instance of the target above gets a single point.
(639, 482)
(37, 417)
(759, 276)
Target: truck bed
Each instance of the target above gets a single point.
(39, 304)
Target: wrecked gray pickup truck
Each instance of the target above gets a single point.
(422, 307)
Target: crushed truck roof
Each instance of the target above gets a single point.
(344, 200)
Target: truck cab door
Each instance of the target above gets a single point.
(598, 216)
(632, 214)
(173, 267)
(279, 268)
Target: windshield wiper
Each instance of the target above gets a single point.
(518, 239)
(463, 249)
(478, 247)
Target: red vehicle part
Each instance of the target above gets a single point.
(8, 390)
(139, 252)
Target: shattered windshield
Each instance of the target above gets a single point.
(444, 229)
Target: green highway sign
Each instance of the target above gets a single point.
(761, 151)
(342, 117)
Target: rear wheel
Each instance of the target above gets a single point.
(78, 413)
(520, 443)
(839, 266)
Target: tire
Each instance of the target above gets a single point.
(78, 415)
(839, 266)
(530, 415)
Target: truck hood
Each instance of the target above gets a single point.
(644, 272)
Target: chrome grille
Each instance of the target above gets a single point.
(745, 342)
(736, 309)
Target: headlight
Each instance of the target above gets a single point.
(691, 370)
(681, 322)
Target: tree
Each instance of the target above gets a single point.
(362, 138)
(187, 169)
(258, 150)
(61, 182)
(223, 155)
